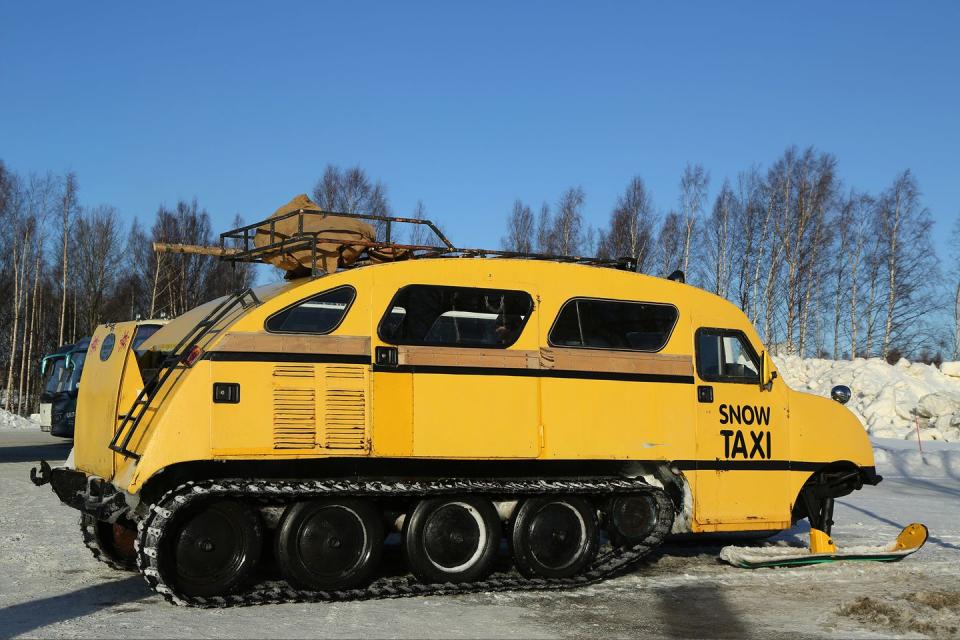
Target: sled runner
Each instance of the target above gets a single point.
(823, 550)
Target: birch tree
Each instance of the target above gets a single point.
(718, 241)
(911, 268)
(520, 229)
(693, 193)
(568, 223)
(630, 232)
(68, 206)
(351, 190)
(670, 244)
(545, 239)
(98, 260)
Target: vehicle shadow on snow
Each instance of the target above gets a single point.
(930, 540)
(28, 616)
(698, 611)
(34, 452)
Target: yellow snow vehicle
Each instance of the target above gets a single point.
(458, 397)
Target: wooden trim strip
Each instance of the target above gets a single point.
(611, 361)
(262, 342)
(449, 357)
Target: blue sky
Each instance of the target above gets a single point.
(469, 106)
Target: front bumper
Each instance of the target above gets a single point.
(90, 494)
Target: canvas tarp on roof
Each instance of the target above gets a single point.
(337, 232)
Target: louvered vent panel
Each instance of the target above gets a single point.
(294, 407)
(345, 414)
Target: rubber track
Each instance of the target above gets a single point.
(607, 564)
(88, 530)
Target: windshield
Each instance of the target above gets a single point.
(54, 373)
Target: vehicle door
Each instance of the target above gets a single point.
(107, 388)
(742, 437)
(467, 358)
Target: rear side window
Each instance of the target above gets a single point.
(725, 355)
(613, 324)
(455, 316)
(320, 314)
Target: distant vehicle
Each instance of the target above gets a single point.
(61, 372)
(53, 369)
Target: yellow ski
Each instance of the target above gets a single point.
(822, 549)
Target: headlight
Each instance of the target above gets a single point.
(841, 393)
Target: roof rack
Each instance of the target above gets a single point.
(237, 245)
(243, 248)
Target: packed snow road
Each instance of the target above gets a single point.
(51, 586)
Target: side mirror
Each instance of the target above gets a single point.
(767, 374)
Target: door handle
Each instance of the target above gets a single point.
(705, 394)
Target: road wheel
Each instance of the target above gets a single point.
(213, 548)
(631, 519)
(451, 539)
(329, 544)
(554, 537)
(111, 544)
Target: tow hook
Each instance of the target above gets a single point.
(43, 476)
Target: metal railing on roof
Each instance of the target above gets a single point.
(238, 244)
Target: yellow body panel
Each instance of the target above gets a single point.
(305, 396)
(111, 385)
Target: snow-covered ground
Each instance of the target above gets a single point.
(891, 400)
(50, 585)
(11, 421)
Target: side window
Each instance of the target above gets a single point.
(320, 314)
(726, 356)
(422, 314)
(612, 324)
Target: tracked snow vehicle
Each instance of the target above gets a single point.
(459, 397)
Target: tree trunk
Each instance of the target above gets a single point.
(14, 328)
(27, 299)
(69, 194)
(891, 276)
(34, 311)
(956, 317)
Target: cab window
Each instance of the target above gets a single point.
(321, 313)
(613, 324)
(726, 356)
(455, 316)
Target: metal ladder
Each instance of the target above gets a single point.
(131, 419)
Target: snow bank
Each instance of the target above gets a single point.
(904, 458)
(888, 399)
(10, 421)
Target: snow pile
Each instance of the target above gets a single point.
(10, 421)
(888, 399)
